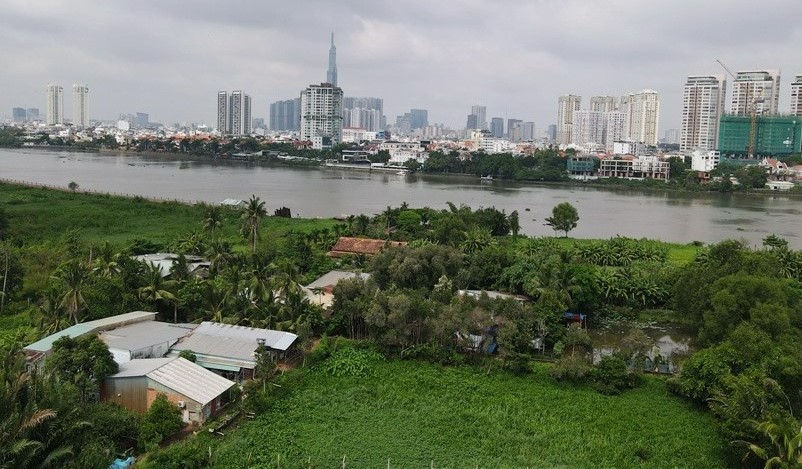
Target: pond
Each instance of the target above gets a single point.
(670, 344)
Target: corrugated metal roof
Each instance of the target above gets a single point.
(228, 341)
(191, 380)
(333, 277)
(145, 334)
(140, 367)
(45, 344)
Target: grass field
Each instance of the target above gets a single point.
(420, 415)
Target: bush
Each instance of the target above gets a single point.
(160, 421)
(571, 369)
(611, 376)
(517, 363)
(350, 361)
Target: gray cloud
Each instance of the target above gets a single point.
(514, 56)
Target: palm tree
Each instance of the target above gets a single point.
(213, 220)
(73, 275)
(476, 240)
(106, 263)
(155, 289)
(219, 254)
(53, 319)
(786, 443)
(253, 214)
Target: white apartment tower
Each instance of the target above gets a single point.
(55, 104)
(566, 106)
(643, 110)
(588, 127)
(796, 96)
(80, 105)
(234, 113)
(702, 106)
(616, 122)
(322, 112)
(756, 89)
(603, 103)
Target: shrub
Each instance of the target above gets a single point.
(611, 376)
(160, 421)
(350, 361)
(570, 368)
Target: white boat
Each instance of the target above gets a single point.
(489, 177)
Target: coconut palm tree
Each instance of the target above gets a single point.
(213, 220)
(219, 254)
(73, 275)
(53, 318)
(251, 216)
(106, 263)
(155, 289)
(786, 443)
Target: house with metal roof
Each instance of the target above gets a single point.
(149, 339)
(321, 291)
(347, 246)
(39, 350)
(196, 265)
(194, 389)
(231, 350)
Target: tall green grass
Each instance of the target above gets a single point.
(418, 415)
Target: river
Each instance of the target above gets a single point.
(603, 213)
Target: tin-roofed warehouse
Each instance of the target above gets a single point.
(230, 350)
(194, 389)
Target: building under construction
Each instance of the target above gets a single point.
(774, 135)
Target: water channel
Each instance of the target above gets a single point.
(666, 215)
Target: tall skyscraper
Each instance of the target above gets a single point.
(702, 106)
(477, 119)
(551, 132)
(755, 89)
(497, 127)
(419, 118)
(528, 132)
(234, 113)
(286, 115)
(141, 120)
(566, 105)
(643, 110)
(18, 114)
(615, 123)
(511, 125)
(796, 96)
(55, 104)
(603, 103)
(331, 73)
(322, 112)
(32, 114)
(80, 105)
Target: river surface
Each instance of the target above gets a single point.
(603, 213)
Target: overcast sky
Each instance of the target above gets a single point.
(169, 58)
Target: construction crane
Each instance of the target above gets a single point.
(752, 113)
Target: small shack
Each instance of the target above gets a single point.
(321, 291)
(194, 389)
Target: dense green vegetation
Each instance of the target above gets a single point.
(415, 415)
(66, 257)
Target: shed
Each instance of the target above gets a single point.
(39, 350)
(321, 291)
(151, 339)
(194, 389)
(230, 350)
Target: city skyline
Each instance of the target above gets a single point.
(384, 50)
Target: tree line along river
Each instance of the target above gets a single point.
(320, 192)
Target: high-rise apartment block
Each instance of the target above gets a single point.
(80, 105)
(597, 127)
(286, 115)
(756, 89)
(796, 96)
(497, 127)
(702, 106)
(32, 114)
(364, 113)
(322, 112)
(234, 113)
(566, 106)
(603, 103)
(643, 111)
(419, 118)
(55, 104)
